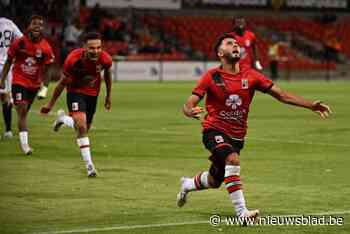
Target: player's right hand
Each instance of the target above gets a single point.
(45, 110)
(2, 85)
(322, 109)
(196, 112)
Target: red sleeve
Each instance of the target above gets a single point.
(253, 38)
(202, 85)
(50, 58)
(11, 53)
(106, 60)
(262, 83)
(68, 69)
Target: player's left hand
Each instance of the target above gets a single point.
(322, 109)
(258, 65)
(42, 92)
(108, 103)
(45, 110)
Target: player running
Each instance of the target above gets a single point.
(30, 56)
(229, 92)
(247, 41)
(82, 77)
(8, 33)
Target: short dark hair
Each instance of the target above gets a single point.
(220, 39)
(39, 17)
(91, 36)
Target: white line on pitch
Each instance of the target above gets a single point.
(111, 228)
(129, 227)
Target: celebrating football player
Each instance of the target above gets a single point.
(229, 92)
(82, 77)
(30, 56)
(247, 41)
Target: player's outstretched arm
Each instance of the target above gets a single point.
(190, 108)
(289, 98)
(56, 94)
(4, 72)
(108, 82)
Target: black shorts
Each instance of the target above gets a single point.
(22, 95)
(78, 102)
(220, 145)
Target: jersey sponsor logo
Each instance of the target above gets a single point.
(75, 106)
(245, 84)
(233, 101)
(89, 81)
(236, 115)
(28, 67)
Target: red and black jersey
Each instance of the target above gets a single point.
(228, 98)
(83, 75)
(29, 61)
(246, 42)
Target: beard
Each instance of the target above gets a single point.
(92, 56)
(231, 58)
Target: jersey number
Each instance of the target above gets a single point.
(5, 38)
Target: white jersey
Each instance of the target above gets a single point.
(8, 32)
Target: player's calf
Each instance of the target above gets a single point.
(84, 145)
(23, 139)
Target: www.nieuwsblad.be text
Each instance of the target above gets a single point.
(302, 220)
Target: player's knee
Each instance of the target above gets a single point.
(221, 153)
(81, 128)
(21, 111)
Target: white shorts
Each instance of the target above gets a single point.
(8, 81)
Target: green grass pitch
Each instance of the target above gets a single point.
(293, 163)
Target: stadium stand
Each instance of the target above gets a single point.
(311, 44)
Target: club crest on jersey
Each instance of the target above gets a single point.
(245, 84)
(18, 96)
(38, 53)
(98, 68)
(75, 106)
(233, 101)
